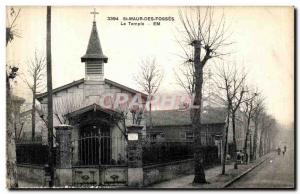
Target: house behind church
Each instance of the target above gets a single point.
(176, 126)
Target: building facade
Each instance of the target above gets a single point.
(98, 117)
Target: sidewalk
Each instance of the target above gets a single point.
(213, 176)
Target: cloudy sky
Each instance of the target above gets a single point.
(263, 44)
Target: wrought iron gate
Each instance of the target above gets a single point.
(99, 159)
(93, 148)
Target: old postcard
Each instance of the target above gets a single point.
(150, 97)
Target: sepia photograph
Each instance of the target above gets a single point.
(150, 97)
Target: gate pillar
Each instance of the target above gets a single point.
(135, 155)
(63, 170)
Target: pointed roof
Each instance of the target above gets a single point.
(94, 50)
(92, 107)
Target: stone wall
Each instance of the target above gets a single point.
(107, 175)
(163, 172)
(85, 176)
(114, 175)
(31, 174)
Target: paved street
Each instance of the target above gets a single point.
(277, 172)
(213, 176)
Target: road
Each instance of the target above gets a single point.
(277, 172)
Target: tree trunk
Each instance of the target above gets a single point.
(234, 140)
(251, 148)
(196, 116)
(265, 150)
(246, 139)
(50, 102)
(150, 112)
(260, 149)
(269, 143)
(225, 144)
(266, 143)
(11, 168)
(33, 113)
(255, 140)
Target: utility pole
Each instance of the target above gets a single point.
(50, 101)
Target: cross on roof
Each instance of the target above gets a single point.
(94, 13)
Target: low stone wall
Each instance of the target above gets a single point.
(106, 175)
(166, 171)
(115, 175)
(31, 174)
(109, 175)
(85, 176)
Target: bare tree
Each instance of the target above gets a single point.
(267, 123)
(122, 117)
(64, 105)
(35, 80)
(231, 81)
(249, 107)
(258, 110)
(11, 73)
(270, 136)
(185, 77)
(204, 38)
(149, 78)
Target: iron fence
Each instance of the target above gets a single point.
(94, 148)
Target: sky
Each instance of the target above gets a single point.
(263, 43)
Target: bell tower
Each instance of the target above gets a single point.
(94, 58)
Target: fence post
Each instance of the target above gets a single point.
(63, 171)
(135, 156)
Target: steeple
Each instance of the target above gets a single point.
(94, 58)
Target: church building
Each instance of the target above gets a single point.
(95, 108)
